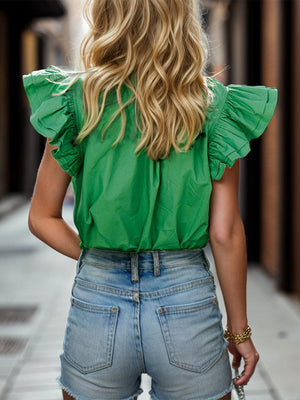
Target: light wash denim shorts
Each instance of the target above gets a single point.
(153, 312)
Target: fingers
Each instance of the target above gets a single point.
(236, 361)
(250, 364)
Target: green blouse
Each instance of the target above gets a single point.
(132, 203)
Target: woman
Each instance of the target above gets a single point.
(151, 145)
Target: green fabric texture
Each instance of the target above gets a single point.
(128, 202)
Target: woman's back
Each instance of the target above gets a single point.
(153, 204)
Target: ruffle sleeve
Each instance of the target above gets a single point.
(244, 113)
(53, 114)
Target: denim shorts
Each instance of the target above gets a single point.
(153, 312)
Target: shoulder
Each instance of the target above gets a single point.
(52, 97)
(235, 102)
(41, 84)
(237, 114)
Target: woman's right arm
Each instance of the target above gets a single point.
(228, 245)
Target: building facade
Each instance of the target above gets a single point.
(260, 42)
(23, 47)
(33, 35)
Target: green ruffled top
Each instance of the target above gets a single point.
(131, 203)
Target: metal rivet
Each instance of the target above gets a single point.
(114, 309)
(136, 296)
(214, 302)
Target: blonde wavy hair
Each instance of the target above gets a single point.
(160, 43)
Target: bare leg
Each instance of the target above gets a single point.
(66, 396)
(227, 397)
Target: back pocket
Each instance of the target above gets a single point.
(193, 334)
(90, 334)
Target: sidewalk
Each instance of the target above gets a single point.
(39, 280)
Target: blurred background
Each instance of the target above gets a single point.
(257, 42)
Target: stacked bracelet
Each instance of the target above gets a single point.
(239, 338)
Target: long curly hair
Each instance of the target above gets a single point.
(162, 45)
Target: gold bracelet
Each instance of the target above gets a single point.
(239, 338)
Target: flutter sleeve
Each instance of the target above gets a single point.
(53, 114)
(244, 113)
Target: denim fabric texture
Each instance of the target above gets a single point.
(153, 312)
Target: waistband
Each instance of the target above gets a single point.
(156, 259)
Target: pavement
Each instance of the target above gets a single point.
(36, 280)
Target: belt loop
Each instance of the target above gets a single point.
(134, 261)
(79, 261)
(156, 263)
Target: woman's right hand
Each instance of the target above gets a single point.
(248, 352)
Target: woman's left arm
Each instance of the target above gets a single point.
(228, 245)
(45, 219)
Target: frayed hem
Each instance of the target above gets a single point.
(78, 397)
(67, 390)
(219, 396)
(139, 391)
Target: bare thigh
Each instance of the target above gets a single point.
(227, 397)
(68, 397)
